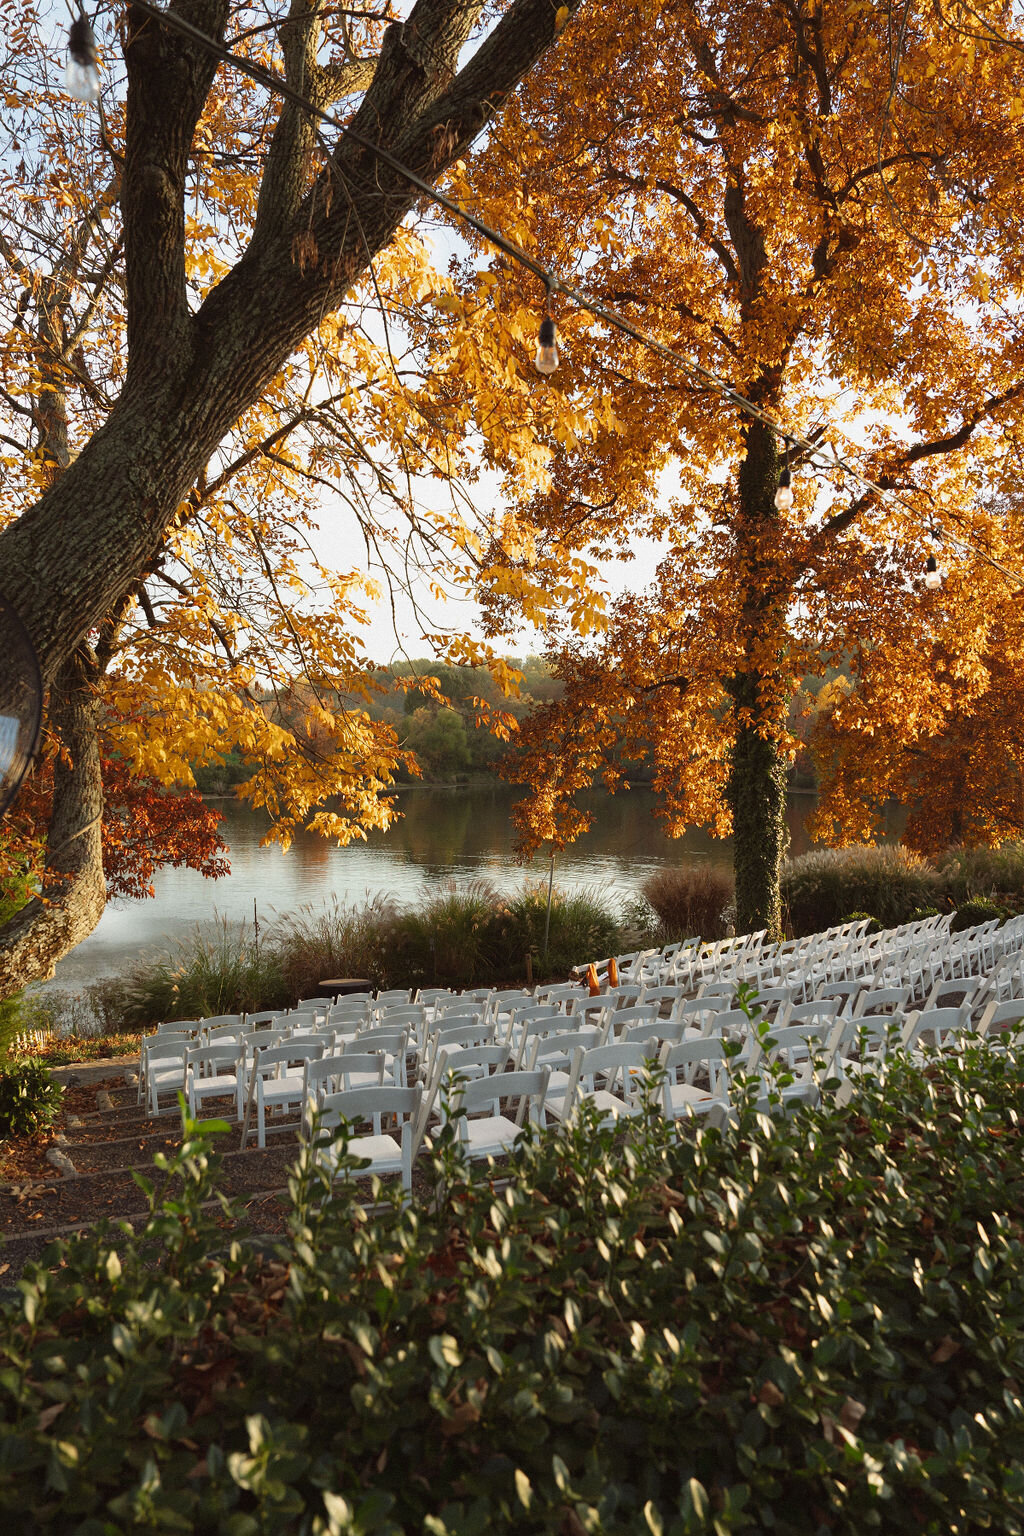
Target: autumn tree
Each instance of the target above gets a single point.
(201, 334)
(817, 204)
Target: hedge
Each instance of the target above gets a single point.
(806, 1325)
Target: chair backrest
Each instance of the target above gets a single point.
(431, 996)
(358, 1104)
(225, 1032)
(655, 1030)
(823, 1010)
(844, 992)
(411, 1016)
(621, 1060)
(458, 1012)
(217, 1019)
(396, 997)
(179, 1027)
(157, 1048)
(153, 1044)
(269, 1059)
(471, 1060)
(380, 1038)
(199, 1056)
(351, 1008)
(637, 1013)
(556, 1051)
(662, 994)
(446, 1035)
(563, 992)
(484, 1094)
(691, 1057)
(331, 1074)
(877, 1000)
(1005, 1018)
(940, 1023)
(522, 1012)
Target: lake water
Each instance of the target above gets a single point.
(444, 834)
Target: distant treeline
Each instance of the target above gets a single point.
(437, 721)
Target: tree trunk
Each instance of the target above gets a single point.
(74, 890)
(757, 778)
(757, 795)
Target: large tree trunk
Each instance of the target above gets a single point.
(74, 890)
(757, 777)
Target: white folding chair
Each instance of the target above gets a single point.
(277, 1083)
(454, 1039)
(337, 1074)
(597, 1073)
(556, 1052)
(483, 1130)
(215, 1072)
(163, 1064)
(393, 1042)
(387, 1152)
(683, 1063)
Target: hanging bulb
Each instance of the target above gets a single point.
(82, 76)
(546, 360)
(784, 494)
(932, 574)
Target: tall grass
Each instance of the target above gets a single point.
(224, 971)
(341, 940)
(822, 888)
(582, 927)
(445, 940)
(986, 873)
(690, 901)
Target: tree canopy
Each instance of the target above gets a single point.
(205, 330)
(817, 202)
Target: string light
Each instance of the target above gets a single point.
(784, 494)
(82, 75)
(546, 360)
(932, 574)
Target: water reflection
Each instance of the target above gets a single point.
(442, 834)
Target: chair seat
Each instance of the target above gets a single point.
(610, 1107)
(489, 1137)
(281, 1090)
(384, 1151)
(681, 1097)
(215, 1087)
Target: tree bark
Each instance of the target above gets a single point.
(756, 788)
(74, 889)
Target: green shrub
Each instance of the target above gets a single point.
(820, 887)
(815, 1325)
(444, 940)
(873, 925)
(29, 1098)
(974, 912)
(690, 901)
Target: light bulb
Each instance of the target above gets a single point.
(932, 574)
(784, 494)
(82, 76)
(546, 360)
